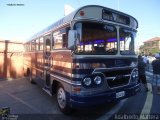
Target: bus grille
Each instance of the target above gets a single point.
(117, 78)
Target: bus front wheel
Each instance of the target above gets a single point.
(61, 100)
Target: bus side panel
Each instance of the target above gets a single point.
(39, 65)
(61, 69)
(33, 64)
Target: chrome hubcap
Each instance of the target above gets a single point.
(61, 97)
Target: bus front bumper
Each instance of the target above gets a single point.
(104, 97)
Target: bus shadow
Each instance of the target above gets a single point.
(93, 112)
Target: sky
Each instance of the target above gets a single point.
(20, 19)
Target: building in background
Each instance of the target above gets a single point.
(11, 59)
(150, 46)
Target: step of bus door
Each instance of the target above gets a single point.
(47, 91)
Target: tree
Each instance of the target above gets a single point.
(154, 51)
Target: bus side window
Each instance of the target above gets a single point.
(29, 44)
(52, 46)
(28, 47)
(65, 41)
(60, 38)
(33, 45)
(58, 41)
(48, 45)
(37, 44)
(41, 43)
(25, 47)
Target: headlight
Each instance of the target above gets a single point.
(135, 74)
(133, 64)
(97, 80)
(87, 81)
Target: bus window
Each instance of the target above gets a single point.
(33, 45)
(41, 44)
(64, 36)
(97, 39)
(58, 41)
(48, 45)
(52, 41)
(25, 47)
(29, 45)
(60, 38)
(126, 42)
(37, 44)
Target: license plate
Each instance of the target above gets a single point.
(120, 94)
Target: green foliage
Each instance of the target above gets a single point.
(154, 50)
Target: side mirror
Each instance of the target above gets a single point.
(72, 37)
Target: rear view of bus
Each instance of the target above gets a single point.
(104, 59)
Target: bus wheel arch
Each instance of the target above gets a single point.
(62, 99)
(55, 84)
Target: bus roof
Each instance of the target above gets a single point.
(74, 15)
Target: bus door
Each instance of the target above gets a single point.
(33, 58)
(47, 59)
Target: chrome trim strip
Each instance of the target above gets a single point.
(66, 80)
(110, 68)
(65, 73)
(76, 56)
(61, 72)
(79, 75)
(60, 50)
(62, 64)
(37, 69)
(115, 77)
(126, 84)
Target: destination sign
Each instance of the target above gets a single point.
(112, 16)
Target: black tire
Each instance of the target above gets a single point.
(61, 100)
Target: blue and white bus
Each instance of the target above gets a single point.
(86, 58)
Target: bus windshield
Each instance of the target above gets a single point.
(127, 41)
(96, 38)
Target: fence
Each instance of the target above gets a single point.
(11, 59)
